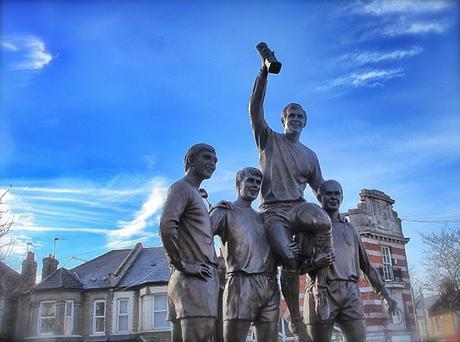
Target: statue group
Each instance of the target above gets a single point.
(300, 237)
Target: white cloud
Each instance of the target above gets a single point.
(414, 28)
(9, 46)
(367, 78)
(373, 57)
(29, 52)
(33, 228)
(383, 7)
(143, 218)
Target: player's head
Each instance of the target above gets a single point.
(293, 118)
(248, 181)
(330, 195)
(201, 159)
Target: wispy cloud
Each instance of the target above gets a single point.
(383, 7)
(360, 58)
(143, 218)
(33, 228)
(394, 18)
(369, 78)
(414, 28)
(28, 52)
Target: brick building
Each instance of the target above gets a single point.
(382, 236)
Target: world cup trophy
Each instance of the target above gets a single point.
(270, 61)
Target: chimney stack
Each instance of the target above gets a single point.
(29, 270)
(50, 264)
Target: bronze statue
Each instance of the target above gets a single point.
(185, 230)
(343, 291)
(288, 166)
(251, 293)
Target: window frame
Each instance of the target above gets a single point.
(40, 318)
(95, 302)
(70, 318)
(154, 311)
(122, 314)
(387, 263)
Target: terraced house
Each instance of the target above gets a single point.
(120, 295)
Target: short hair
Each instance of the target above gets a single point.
(194, 151)
(292, 106)
(243, 173)
(322, 187)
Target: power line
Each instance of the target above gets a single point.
(431, 221)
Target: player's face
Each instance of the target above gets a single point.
(249, 188)
(332, 197)
(294, 121)
(205, 164)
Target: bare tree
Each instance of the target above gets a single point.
(6, 221)
(442, 255)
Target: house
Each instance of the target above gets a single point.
(438, 317)
(12, 286)
(118, 296)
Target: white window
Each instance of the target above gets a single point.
(159, 312)
(99, 317)
(387, 264)
(46, 317)
(68, 317)
(122, 315)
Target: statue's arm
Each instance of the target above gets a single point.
(373, 277)
(218, 216)
(256, 107)
(315, 178)
(368, 269)
(173, 209)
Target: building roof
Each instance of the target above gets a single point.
(10, 280)
(115, 269)
(61, 279)
(150, 266)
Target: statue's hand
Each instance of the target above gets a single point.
(391, 304)
(197, 269)
(323, 260)
(224, 205)
(295, 249)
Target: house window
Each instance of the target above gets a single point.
(122, 315)
(387, 264)
(159, 312)
(99, 317)
(47, 315)
(68, 317)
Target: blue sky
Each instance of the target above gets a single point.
(100, 100)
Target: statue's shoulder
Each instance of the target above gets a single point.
(222, 206)
(180, 187)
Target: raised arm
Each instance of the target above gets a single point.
(256, 102)
(256, 108)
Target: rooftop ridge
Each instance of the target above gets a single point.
(116, 276)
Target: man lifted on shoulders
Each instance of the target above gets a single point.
(288, 166)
